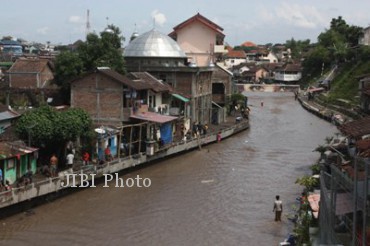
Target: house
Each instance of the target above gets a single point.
(249, 73)
(365, 39)
(111, 98)
(255, 74)
(31, 74)
(268, 57)
(222, 85)
(10, 50)
(16, 159)
(344, 187)
(289, 73)
(201, 39)
(234, 58)
(271, 68)
(251, 51)
(7, 117)
(241, 68)
(115, 101)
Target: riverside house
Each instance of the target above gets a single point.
(126, 110)
(16, 159)
(31, 73)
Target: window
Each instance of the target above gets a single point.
(10, 164)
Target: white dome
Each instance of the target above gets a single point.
(153, 44)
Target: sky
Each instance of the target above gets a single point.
(261, 22)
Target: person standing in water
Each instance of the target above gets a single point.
(278, 208)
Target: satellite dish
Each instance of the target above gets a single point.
(99, 130)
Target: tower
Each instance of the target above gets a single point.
(88, 22)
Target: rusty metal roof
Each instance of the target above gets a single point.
(153, 117)
(12, 149)
(356, 128)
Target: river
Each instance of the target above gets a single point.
(220, 195)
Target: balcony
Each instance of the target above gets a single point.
(288, 77)
(220, 49)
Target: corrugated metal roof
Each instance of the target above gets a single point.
(11, 149)
(8, 115)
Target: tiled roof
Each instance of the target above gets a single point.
(357, 128)
(29, 65)
(290, 68)
(236, 54)
(136, 80)
(363, 144)
(202, 19)
(150, 80)
(272, 66)
(248, 44)
(137, 85)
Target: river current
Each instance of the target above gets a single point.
(220, 195)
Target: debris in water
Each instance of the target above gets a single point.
(207, 181)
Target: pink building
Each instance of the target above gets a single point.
(201, 39)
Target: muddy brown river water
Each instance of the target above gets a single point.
(221, 195)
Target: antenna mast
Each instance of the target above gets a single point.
(88, 22)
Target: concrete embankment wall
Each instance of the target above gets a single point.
(314, 110)
(56, 184)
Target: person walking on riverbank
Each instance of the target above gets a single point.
(219, 137)
(85, 158)
(278, 208)
(53, 165)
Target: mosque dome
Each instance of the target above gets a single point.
(153, 44)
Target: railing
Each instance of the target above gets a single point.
(52, 184)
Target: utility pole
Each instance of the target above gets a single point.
(29, 128)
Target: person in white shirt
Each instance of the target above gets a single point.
(70, 157)
(278, 208)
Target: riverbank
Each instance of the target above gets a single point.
(325, 113)
(55, 186)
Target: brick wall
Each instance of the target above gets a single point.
(183, 83)
(100, 96)
(23, 80)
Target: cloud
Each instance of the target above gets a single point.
(75, 19)
(43, 30)
(300, 15)
(158, 17)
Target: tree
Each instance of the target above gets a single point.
(51, 129)
(97, 51)
(103, 51)
(340, 39)
(297, 47)
(68, 65)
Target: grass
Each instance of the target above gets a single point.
(346, 83)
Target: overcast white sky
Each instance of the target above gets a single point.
(262, 21)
